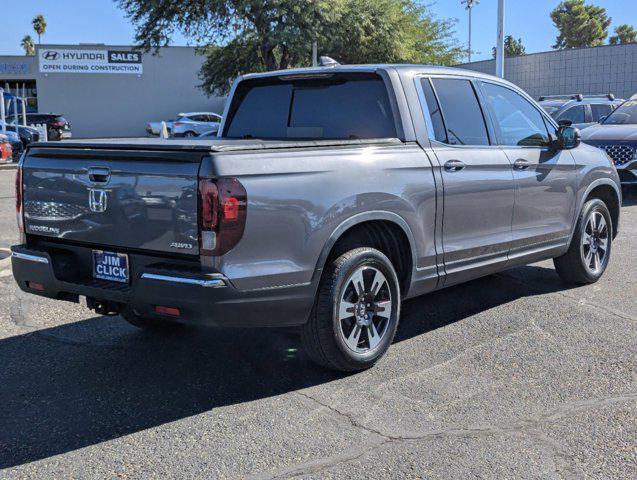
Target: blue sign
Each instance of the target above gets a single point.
(15, 68)
(110, 266)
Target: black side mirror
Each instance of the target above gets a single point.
(565, 123)
(568, 137)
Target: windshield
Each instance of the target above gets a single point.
(550, 109)
(625, 114)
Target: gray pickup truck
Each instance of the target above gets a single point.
(331, 195)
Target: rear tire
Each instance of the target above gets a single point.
(147, 323)
(588, 255)
(362, 282)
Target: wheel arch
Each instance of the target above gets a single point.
(361, 221)
(607, 191)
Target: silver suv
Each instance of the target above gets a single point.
(193, 124)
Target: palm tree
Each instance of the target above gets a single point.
(39, 25)
(28, 44)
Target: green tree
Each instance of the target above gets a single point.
(28, 45)
(580, 25)
(623, 34)
(39, 25)
(240, 36)
(512, 47)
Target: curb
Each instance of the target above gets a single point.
(8, 166)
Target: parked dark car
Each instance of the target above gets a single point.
(57, 127)
(579, 110)
(16, 144)
(27, 134)
(617, 135)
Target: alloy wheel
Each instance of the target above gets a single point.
(364, 309)
(595, 241)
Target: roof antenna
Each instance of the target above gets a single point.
(328, 62)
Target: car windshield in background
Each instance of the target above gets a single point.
(625, 114)
(550, 109)
(334, 106)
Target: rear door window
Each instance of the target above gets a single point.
(517, 121)
(576, 114)
(340, 106)
(463, 119)
(600, 110)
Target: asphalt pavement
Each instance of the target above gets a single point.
(510, 376)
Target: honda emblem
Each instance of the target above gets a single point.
(97, 200)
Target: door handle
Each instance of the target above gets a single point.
(99, 174)
(454, 165)
(521, 164)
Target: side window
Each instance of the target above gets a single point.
(461, 112)
(518, 122)
(435, 114)
(600, 110)
(576, 114)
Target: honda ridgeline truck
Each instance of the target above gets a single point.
(329, 197)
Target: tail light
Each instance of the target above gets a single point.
(6, 152)
(18, 199)
(222, 210)
(176, 124)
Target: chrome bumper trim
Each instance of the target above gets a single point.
(30, 258)
(207, 283)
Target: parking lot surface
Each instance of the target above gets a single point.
(510, 376)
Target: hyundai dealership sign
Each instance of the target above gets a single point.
(55, 60)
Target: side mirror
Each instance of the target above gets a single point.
(565, 123)
(568, 137)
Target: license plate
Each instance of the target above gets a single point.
(110, 266)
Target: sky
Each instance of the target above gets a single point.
(100, 21)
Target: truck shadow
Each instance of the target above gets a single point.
(83, 383)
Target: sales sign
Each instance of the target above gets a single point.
(90, 61)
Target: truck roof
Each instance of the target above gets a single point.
(407, 68)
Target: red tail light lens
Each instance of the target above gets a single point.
(222, 208)
(18, 199)
(6, 152)
(176, 124)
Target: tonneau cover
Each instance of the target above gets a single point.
(207, 145)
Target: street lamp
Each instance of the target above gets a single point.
(469, 4)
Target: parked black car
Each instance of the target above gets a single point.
(57, 127)
(617, 134)
(27, 134)
(579, 110)
(16, 144)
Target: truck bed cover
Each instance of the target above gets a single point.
(207, 145)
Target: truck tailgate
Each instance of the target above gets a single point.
(144, 200)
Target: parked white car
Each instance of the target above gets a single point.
(195, 123)
(154, 128)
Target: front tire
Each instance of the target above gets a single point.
(588, 255)
(356, 314)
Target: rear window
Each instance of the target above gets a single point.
(337, 106)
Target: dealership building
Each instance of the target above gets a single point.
(114, 91)
(108, 90)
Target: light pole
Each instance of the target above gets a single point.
(469, 4)
(499, 48)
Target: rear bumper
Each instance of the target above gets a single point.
(202, 298)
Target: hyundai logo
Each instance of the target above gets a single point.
(51, 55)
(97, 200)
